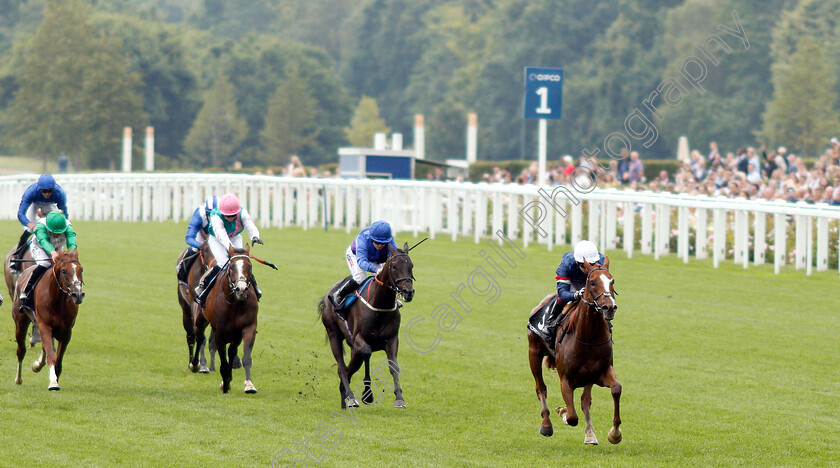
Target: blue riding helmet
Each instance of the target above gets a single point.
(46, 182)
(380, 232)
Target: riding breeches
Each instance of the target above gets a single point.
(359, 275)
(220, 253)
(32, 211)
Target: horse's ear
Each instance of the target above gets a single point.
(248, 249)
(606, 262)
(405, 247)
(230, 249)
(586, 265)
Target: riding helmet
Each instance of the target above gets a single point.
(380, 232)
(56, 222)
(46, 182)
(586, 250)
(229, 204)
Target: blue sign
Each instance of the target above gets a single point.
(543, 93)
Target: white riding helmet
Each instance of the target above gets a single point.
(586, 250)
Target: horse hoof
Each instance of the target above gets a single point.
(590, 440)
(614, 436)
(236, 364)
(224, 387)
(36, 367)
(203, 370)
(547, 431)
(18, 381)
(399, 404)
(367, 397)
(54, 387)
(249, 387)
(352, 403)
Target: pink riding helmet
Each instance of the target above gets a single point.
(229, 204)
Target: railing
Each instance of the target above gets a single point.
(524, 213)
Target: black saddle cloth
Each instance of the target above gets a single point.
(539, 323)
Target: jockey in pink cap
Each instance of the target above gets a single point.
(225, 230)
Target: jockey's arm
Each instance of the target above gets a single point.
(25, 201)
(71, 237)
(61, 201)
(248, 223)
(192, 229)
(362, 257)
(564, 285)
(43, 237)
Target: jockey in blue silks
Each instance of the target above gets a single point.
(196, 235)
(365, 254)
(38, 199)
(571, 280)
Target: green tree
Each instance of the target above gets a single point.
(218, 130)
(801, 114)
(366, 121)
(75, 92)
(290, 125)
(447, 130)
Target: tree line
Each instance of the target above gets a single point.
(259, 80)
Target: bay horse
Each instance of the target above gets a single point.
(231, 310)
(56, 297)
(374, 325)
(582, 354)
(22, 259)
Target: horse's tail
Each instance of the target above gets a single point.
(322, 306)
(548, 362)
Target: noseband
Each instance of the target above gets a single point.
(594, 303)
(67, 290)
(231, 281)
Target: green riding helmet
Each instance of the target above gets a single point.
(56, 222)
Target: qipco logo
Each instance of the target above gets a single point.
(543, 77)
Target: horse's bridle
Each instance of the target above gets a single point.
(231, 282)
(594, 303)
(392, 284)
(67, 291)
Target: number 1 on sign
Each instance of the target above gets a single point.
(543, 109)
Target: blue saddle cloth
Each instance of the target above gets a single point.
(351, 298)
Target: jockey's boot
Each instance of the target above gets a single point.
(206, 279)
(183, 267)
(16, 266)
(26, 294)
(256, 288)
(346, 287)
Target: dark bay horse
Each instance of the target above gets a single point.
(374, 322)
(231, 310)
(22, 260)
(56, 297)
(189, 309)
(583, 355)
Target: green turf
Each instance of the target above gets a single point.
(719, 367)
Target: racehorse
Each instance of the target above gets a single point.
(22, 260)
(582, 354)
(56, 297)
(374, 325)
(231, 309)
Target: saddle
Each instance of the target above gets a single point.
(542, 326)
(351, 298)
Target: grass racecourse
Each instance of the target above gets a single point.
(720, 367)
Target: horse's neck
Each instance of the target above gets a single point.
(49, 285)
(381, 296)
(590, 324)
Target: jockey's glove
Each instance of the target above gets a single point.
(579, 293)
(256, 240)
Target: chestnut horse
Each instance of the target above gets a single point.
(231, 309)
(582, 354)
(22, 260)
(56, 297)
(374, 326)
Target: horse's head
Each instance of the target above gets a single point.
(239, 273)
(398, 272)
(600, 292)
(68, 274)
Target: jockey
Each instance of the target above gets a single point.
(197, 232)
(365, 254)
(225, 228)
(571, 280)
(51, 233)
(38, 199)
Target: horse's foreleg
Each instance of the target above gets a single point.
(358, 353)
(391, 348)
(199, 324)
(21, 326)
(610, 381)
(59, 359)
(211, 350)
(568, 413)
(224, 366)
(535, 358)
(231, 355)
(367, 393)
(49, 353)
(248, 337)
(585, 404)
